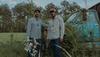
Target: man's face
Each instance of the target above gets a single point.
(37, 13)
(52, 12)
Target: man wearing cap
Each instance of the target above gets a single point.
(34, 29)
(55, 31)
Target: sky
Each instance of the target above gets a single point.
(42, 3)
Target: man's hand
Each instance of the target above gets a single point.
(61, 40)
(28, 39)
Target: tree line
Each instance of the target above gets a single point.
(15, 19)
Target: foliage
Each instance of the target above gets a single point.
(68, 8)
(5, 18)
(71, 39)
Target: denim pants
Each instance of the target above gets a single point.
(56, 50)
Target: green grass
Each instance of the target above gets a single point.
(5, 37)
(14, 48)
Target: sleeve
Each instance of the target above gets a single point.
(62, 27)
(28, 29)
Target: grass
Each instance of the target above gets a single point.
(12, 45)
(14, 48)
(5, 37)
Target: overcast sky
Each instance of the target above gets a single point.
(42, 3)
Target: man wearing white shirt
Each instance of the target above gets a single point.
(55, 31)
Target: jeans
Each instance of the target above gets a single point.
(56, 50)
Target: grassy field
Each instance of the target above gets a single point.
(5, 37)
(12, 44)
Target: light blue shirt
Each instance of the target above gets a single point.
(34, 28)
(56, 28)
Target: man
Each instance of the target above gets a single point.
(55, 31)
(34, 30)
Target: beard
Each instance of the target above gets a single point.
(36, 16)
(53, 16)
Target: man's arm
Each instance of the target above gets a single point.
(28, 29)
(62, 29)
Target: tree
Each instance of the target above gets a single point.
(23, 10)
(6, 21)
(68, 8)
(74, 7)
